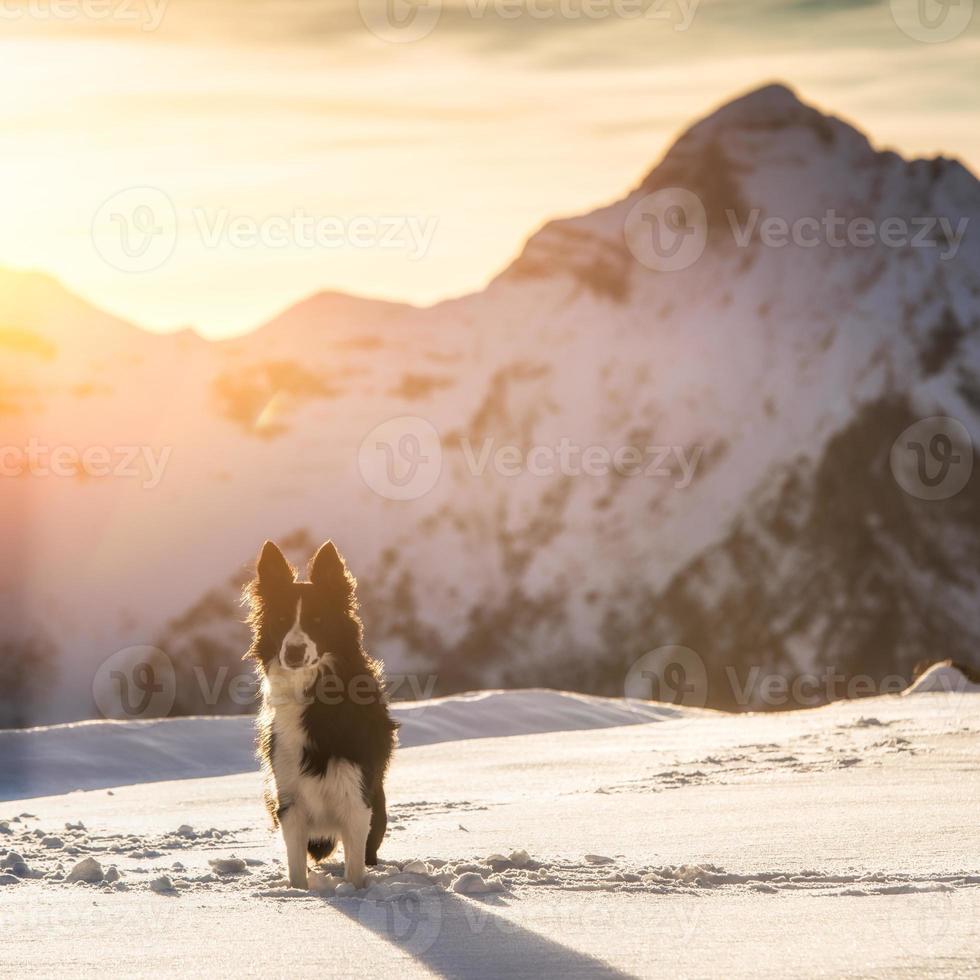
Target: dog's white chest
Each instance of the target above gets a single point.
(335, 800)
(331, 802)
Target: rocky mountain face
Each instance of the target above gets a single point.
(732, 412)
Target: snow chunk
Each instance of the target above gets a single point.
(7, 879)
(471, 883)
(16, 865)
(162, 885)
(324, 884)
(943, 677)
(598, 859)
(386, 888)
(88, 870)
(228, 866)
(54, 843)
(416, 868)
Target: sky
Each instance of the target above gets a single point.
(207, 163)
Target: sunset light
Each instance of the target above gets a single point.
(490, 489)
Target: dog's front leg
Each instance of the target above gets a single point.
(355, 836)
(296, 835)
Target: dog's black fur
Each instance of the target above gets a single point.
(346, 715)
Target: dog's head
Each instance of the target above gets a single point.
(301, 626)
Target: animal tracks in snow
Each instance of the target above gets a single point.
(862, 745)
(118, 863)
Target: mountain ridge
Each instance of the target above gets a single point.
(764, 108)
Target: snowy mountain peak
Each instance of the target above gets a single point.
(763, 384)
(767, 128)
(773, 96)
(771, 106)
(767, 156)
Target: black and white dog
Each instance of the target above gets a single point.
(324, 733)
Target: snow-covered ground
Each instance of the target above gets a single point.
(532, 834)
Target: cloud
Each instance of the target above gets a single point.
(827, 6)
(499, 26)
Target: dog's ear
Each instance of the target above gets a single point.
(329, 574)
(273, 568)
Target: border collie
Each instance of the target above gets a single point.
(325, 737)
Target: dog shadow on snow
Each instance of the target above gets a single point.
(454, 936)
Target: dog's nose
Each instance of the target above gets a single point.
(294, 655)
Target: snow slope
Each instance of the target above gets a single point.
(839, 841)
